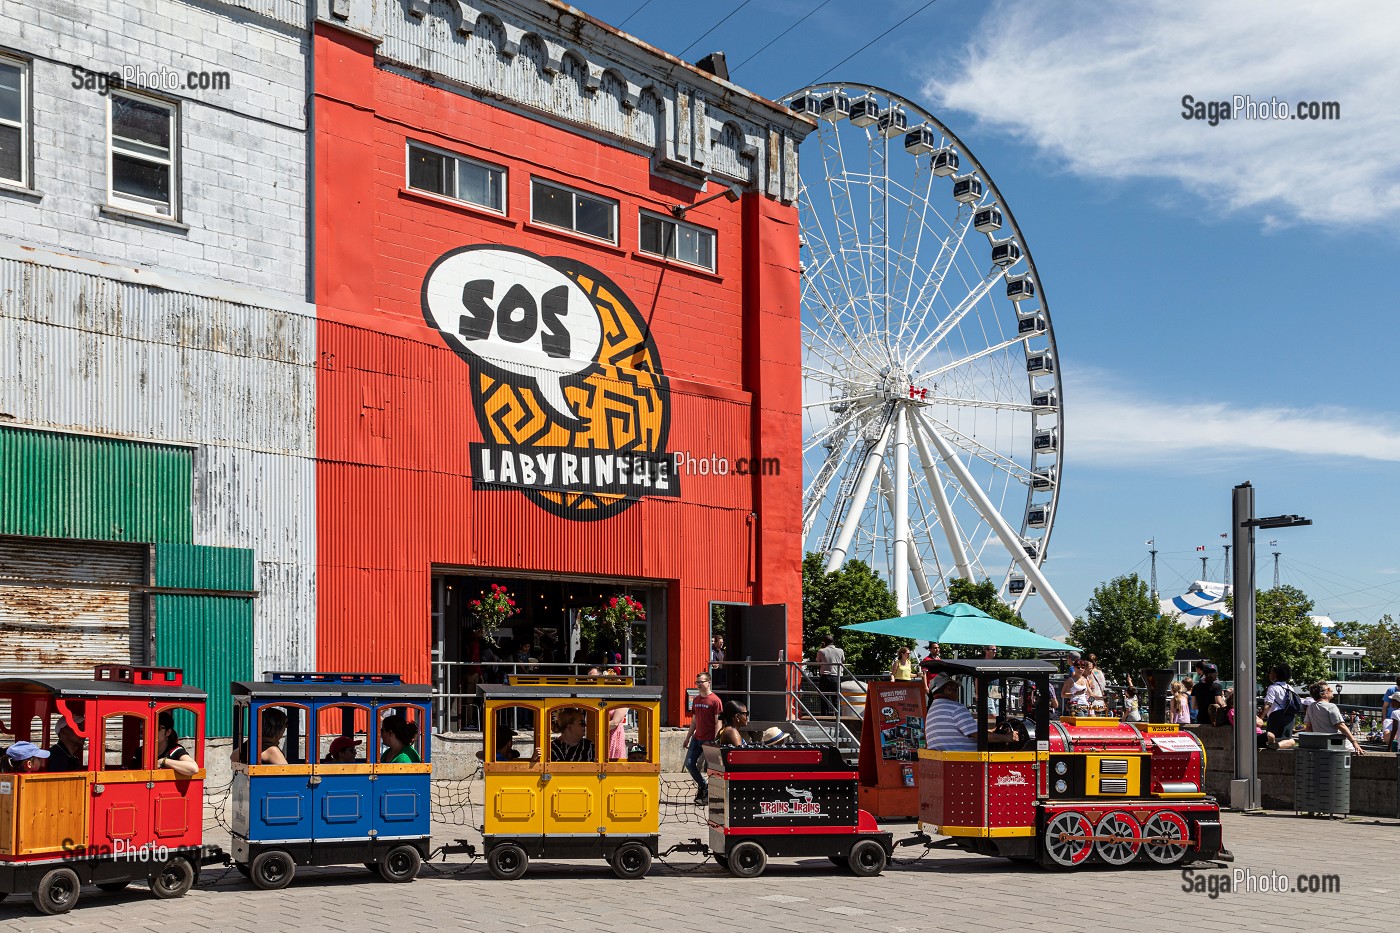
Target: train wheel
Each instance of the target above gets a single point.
(1068, 840)
(1166, 838)
(112, 886)
(747, 860)
(57, 891)
(507, 861)
(243, 869)
(176, 877)
(631, 860)
(401, 864)
(272, 870)
(867, 858)
(722, 861)
(1127, 838)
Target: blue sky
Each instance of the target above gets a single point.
(1222, 296)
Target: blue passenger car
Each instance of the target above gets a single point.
(322, 774)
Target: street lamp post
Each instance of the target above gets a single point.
(1244, 789)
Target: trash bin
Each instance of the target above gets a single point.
(1322, 775)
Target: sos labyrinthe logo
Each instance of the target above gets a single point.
(566, 382)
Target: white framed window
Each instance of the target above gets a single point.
(557, 206)
(14, 122)
(452, 176)
(675, 239)
(143, 154)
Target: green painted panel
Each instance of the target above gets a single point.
(211, 639)
(73, 486)
(195, 566)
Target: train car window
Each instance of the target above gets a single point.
(239, 731)
(185, 734)
(123, 743)
(282, 735)
(574, 737)
(514, 734)
(342, 734)
(67, 749)
(401, 735)
(629, 734)
(6, 723)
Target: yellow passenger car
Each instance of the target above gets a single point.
(573, 770)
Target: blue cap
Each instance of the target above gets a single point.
(23, 751)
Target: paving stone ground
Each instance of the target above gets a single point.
(944, 890)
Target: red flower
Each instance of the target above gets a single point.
(511, 601)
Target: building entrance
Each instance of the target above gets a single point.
(555, 630)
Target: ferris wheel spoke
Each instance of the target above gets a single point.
(837, 295)
(983, 403)
(971, 357)
(837, 463)
(982, 452)
(843, 425)
(932, 287)
(846, 231)
(975, 295)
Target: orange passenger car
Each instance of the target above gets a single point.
(105, 814)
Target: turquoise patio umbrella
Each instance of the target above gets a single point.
(960, 624)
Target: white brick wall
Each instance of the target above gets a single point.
(243, 175)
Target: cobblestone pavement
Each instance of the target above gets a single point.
(944, 890)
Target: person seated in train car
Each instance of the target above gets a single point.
(572, 742)
(24, 758)
(66, 754)
(274, 728)
(171, 754)
(735, 717)
(950, 726)
(342, 751)
(397, 735)
(774, 736)
(505, 746)
(1075, 692)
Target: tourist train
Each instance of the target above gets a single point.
(311, 785)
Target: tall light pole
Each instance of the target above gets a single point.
(1244, 789)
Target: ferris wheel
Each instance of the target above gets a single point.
(932, 433)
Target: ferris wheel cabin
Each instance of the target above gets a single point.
(944, 162)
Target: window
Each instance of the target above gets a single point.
(342, 734)
(674, 239)
(142, 153)
(123, 744)
(574, 738)
(282, 736)
(14, 122)
(183, 723)
(573, 210)
(455, 177)
(401, 736)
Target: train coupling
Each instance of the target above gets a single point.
(460, 847)
(691, 846)
(213, 855)
(927, 841)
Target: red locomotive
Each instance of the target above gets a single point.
(1064, 792)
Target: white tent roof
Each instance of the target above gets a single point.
(1202, 601)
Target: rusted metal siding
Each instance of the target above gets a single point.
(66, 606)
(70, 486)
(142, 355)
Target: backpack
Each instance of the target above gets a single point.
(1291, 703)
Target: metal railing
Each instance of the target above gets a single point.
(795, 692)
(455, 704)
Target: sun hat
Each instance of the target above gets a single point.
(773, 736)
(941, 681)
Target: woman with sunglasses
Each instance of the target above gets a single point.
(1076, 690)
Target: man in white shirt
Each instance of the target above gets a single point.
(949, 726)
(831, 666)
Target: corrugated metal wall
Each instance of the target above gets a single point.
(68, 486)
(94, 349)
(210, 637)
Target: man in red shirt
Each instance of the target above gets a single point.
(704, 718)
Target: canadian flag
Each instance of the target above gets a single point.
(1200, 547)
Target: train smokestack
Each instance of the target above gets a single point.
(1159, 692)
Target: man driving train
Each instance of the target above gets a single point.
(949, 726)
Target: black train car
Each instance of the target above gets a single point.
(789, 801)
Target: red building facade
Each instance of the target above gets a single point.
(531, 371)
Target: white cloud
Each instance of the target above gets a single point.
(1110, 424)
(1098, 87)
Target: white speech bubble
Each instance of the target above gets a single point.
(511, 310)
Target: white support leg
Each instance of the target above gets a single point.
(862, 493)
(1009, 538)
(945, 511)
(901, 510)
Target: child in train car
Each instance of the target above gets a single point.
(397, 735)
(24, 758)
(342, 751)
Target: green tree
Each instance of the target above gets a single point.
(1124, 627)
(1380, 639)
(1284, 632)
(984, 596)
(848, 596)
